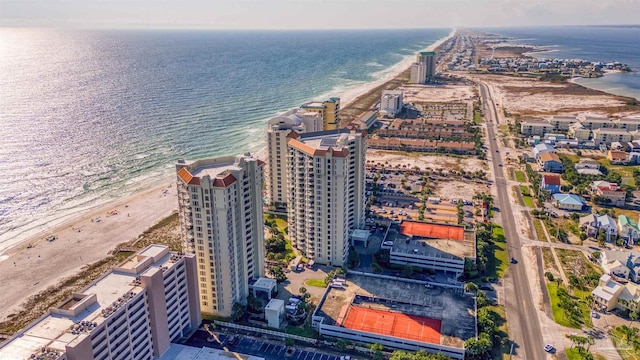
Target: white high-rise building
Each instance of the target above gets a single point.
(133, 313)
(418, 73)
(298, 120)
(391, 102)
(326, 192)
(220, 205)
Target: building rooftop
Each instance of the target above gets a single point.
(571, 199)
(78, 315)
(549, 157)
(432, 238)
(385, 306)
(551, 179)
(183, 352)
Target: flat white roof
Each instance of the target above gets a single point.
(274, 304)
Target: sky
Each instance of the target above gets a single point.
(314, 14)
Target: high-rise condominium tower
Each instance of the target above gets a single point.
(298, 120)
(326, 192)
(220, 205)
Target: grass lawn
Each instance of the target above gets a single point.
(520, 176)
(524, 190)
(528, 201)
(498, 262)
(571, 226)
(572, 157)
(497, 231)
(575, 354)
(624, 349)
(574, 262)
(306, 331)
(316, 283)
(503, 331)
(537, 225)
(558, 313)
(625, 171)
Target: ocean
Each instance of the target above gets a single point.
(87, 117)
(593, 43)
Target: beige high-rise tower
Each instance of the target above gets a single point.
(298, 120)
(221, 215)
(326, 192)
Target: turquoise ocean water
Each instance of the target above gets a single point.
(89, 116)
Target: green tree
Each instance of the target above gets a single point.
(477, 348)
(470, 287)
(377, 351)
(278, 273)
(237, 311)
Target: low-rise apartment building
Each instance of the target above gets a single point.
(391, 102)
(540, 127)
(131, 313)
(435, 246)
(604, 136)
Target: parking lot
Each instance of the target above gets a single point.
(270, 350)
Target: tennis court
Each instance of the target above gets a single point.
(432, 231)
(393, 324)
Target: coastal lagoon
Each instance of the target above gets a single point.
(592, 43)
(87, 117)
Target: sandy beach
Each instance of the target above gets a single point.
(36, 264)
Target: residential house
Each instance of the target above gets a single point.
(633, 158)
(551, 183)
(550, 162)
(592, 223)
(568, 202)
(628, 229)
(609, 260)
(617, 157)
(542, 149)
(609, 191)
(588, 166)
(610, 294)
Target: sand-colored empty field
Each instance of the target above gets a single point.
(446, 93)
(523, 96)
(391, 159)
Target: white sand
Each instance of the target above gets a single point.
(27, 271)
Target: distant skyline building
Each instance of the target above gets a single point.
(326, 192)
(424, 68)
(132, 313)
(418, 73)
(391, 102)
(221, 215)
(328, 109)
(298, 120)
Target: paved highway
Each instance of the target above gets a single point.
(524, 327)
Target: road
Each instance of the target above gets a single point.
(521, 311)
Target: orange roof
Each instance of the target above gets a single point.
(617, 155)
(549, 157)
(185, 175)
(551, 179)
(393, 324)
(344, 152)
(433, 231)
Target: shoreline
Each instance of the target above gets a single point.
(33, 264)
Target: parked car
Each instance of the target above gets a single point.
(549, 348)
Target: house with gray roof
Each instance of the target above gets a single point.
(592, 223)
(612, 260)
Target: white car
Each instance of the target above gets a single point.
(549, 348)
